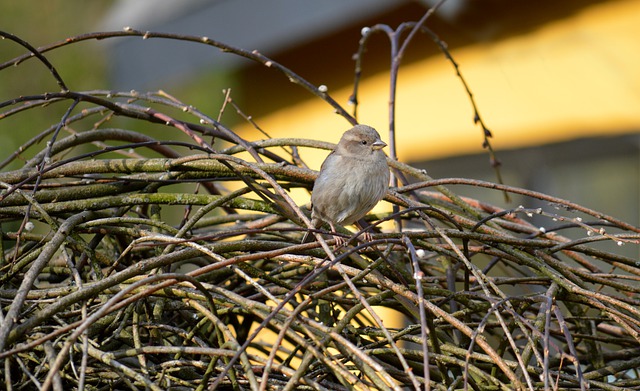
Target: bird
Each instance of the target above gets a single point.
(352, 180)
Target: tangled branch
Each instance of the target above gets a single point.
(132, 260)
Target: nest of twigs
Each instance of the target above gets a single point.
(132, 261)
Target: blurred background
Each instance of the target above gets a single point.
(558, 83)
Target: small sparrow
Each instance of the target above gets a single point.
(352, 179)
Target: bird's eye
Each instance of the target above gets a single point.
(364, 142)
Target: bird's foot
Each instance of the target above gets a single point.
(339, 241)
(367, 237)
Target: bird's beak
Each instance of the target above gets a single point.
(378, 145)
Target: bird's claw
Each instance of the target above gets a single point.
(367, 237)
(339, 241)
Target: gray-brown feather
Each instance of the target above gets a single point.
(352, 180)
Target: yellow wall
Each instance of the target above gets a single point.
(575, 77)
